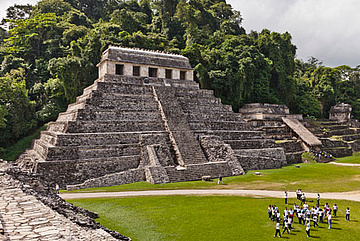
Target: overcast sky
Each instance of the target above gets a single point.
(326, 29)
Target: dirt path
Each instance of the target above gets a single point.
(345, 164)
(353, 196)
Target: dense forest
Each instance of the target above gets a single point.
(49, 52)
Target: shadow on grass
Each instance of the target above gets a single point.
(336, 228)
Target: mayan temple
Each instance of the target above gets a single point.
(146, 119)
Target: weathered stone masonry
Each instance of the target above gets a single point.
(132, 125)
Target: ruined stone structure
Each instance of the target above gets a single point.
(340, 112)
(146, 119)
(275, 120)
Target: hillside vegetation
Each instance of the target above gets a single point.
(49, 52)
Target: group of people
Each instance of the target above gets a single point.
(321, 154)
(304, 213)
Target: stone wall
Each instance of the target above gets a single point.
(30, 210)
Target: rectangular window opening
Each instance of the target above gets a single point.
(153, 72)
(182, 75)
(119, 69)
(136, 70)
(168, 73)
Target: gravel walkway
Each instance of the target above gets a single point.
(353, 196)
(345, 164)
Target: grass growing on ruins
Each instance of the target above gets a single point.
(317, 177)
(355, 158)
(12, 153)
(209, 218)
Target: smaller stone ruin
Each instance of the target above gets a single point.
(341, 113)
(260, 114)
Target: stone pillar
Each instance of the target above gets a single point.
(176, 74)
(189, 75)
(161, 73)
(128, 69)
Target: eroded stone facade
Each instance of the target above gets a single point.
(127, 128)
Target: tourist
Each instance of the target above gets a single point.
(286, 226)
(308, 229)
(57, 188)
(315, 220)
(321, 216)
(318, 200)
(300, 213)
(335, 208)
(329, 220)
(303, 198)
(277, 227)
(269, 211)
(278, 217)
(220, 180)
(286, 195)
(347, 214)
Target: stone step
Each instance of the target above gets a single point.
(213, 116)
(219, 125)
(339, 151)
(48, 137)
(277, 153)
(250, 144)
(105, 87)
(68, 116)
(290, 145)
(329, 143)
(122, 104)
(77, 171)
(57, 153)
(96, 139)
(350, 137)
(192, 101)
(206, 108)
(91, 88)
(194, 93)
(260, 162)
(234, 135)
(118, 115)
(59, 127)
(341, 132)
(112, 126)
(336, 127)
(76, 106)
(294, 157)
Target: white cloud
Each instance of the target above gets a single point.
(326, 29)
(4, 4)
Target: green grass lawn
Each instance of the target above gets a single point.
(317, 177)
(355, 158)
(209, 218)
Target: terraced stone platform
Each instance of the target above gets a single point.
(125, 129)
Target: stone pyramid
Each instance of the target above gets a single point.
(146, 119)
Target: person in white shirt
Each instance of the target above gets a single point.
(277, 227)
(335, 208)
(269, 211)
(308, 229)
(329, 220)
(286, 226)
(347, 214)
(321, 215)
(286, 196)
(315, 220)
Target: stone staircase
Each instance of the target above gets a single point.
(125, 129)
(337, 139)
(208, 117)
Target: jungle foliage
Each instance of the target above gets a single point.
(49, 52)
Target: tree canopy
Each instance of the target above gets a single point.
(49, 52)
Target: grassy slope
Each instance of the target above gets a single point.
(12, 153)
(310, 177)
(208, 218)
(355, 158)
